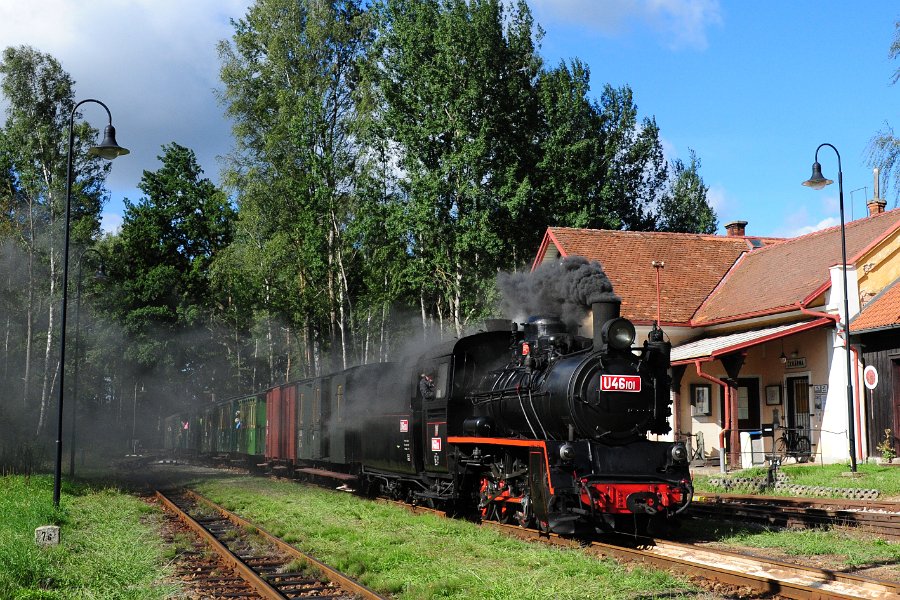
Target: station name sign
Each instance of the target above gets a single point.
(795, 363)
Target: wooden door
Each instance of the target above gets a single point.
(797, 408)
(895, 402)
(748, 402)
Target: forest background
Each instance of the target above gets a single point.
(390, 159)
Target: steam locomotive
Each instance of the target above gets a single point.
(524, 423)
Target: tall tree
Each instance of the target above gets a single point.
(291, 74)
(457, 80)
(571, 171)
(34, 142)
(685, 208)
(884, 147)
(160, 264)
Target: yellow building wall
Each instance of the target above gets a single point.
(879, 267)
(762, 363)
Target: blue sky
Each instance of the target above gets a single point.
(752, 86)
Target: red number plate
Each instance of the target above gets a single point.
(620, 383)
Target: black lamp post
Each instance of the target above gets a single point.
(817, 182)
(108, 149)
(78, 353)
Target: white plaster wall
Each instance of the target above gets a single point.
(834, 443)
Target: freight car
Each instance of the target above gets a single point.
(527, 423)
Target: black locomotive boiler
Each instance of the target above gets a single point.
(526, 423)
(558, 435)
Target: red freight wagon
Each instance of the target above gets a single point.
(281, 413)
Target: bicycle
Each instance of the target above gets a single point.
(792, 443)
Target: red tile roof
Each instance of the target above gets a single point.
(777, 277)
(881, 312)
(694, 265)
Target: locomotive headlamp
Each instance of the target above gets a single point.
(679, 453)
(567, 452)
(619, 333)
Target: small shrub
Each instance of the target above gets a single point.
(886, 447)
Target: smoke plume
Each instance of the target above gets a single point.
(565, 289)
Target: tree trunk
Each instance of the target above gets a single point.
(457, 300)
(344, 287)
(382, 342)
(46, 384)
(255, 362)
(287, 351)
(424, 317)
(270, 341)
(29, 309)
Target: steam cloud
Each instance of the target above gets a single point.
(566, 289)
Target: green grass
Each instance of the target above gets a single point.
(845, 547)
(425, 557)
(108, 549)
(886, 479)
(853, 552)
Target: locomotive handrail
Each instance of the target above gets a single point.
(481, 398)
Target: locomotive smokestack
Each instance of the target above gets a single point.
(603, 311)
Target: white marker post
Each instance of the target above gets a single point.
(47, 535)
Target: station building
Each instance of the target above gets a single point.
(757, 339)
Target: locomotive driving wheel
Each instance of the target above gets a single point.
(525, 516)
(504, 493)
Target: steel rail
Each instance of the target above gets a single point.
(260, 585)
(880, 517)
(334, 575)
(763, 576)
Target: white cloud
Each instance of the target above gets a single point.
(823, 224)
(152, 62)
(110, 223)
(717, 198)
(678, 24)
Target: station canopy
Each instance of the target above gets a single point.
(710, 348)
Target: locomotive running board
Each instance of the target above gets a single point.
(329, 474)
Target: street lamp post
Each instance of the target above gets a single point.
(78, 353)
(108, 149)
(817, 182)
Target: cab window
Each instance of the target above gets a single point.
(440, 381)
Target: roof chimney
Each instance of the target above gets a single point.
(735, 228)
(876, 204)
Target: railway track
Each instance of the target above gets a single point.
(746, 575)
(249, 562)
(882, 518)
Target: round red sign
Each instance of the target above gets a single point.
(870, 377)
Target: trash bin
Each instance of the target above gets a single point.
(752, 452)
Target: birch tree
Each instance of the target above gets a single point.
(40, 97)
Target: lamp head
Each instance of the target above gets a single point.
(816, 180)
(100, 273)
(108, 148)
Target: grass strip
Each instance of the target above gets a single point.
(884, 478)
(845, 548)
(425, 557)
(109, 545)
